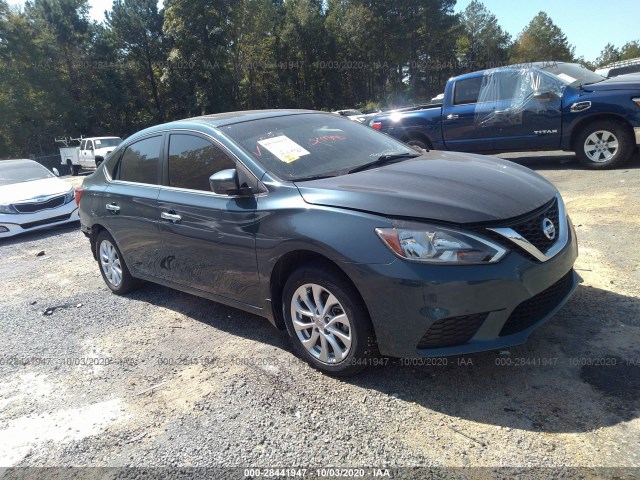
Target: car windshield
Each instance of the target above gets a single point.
(572, 74)
(19, 172)
(299, 147)
(107, 142)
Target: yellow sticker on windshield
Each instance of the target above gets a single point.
(284, 148)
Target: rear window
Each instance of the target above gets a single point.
(467, 91)
(140, 161)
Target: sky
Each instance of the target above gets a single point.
(588, 24)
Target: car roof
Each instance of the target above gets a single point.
(539, 65)
(217, 120)
(98, 138)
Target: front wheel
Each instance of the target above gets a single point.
(604, 145)
(327, 321)
(113, 268)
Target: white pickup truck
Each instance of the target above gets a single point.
(89, 154)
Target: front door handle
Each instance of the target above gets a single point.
(112, 207)
(172, 217)
(452, 116)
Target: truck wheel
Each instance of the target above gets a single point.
(418, 142)
(604, 145)
(99, 161)
(114, 270)
(75, 170)
(327, 321)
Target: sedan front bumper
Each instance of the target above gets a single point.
(14, 224)
(431, 310)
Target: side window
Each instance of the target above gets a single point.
(140, 161)
(192, 160)
(467, 91)
(83, 145)
(90, 145)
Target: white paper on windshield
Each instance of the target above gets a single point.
(566, 78)
(284, 148)
(98, 142)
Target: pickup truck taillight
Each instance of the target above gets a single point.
(637, 101)
(376, 125)
(79, 192)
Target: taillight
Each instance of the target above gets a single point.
(79, 192)
(376, 125)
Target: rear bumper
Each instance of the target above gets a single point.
(16, 224)
(422, 311)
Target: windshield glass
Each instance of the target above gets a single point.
(107, 142)
(18, 172)
(297, 147)
(572, 73)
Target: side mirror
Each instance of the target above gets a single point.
(225, 182)
(545, 96)
(55, 172)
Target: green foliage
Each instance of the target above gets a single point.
(61, 74)
(542, 40)
(482, 43)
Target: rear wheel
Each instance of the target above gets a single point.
(604, 145)
(113, 268)
(327, 321)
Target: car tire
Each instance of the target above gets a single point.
(113, 268)
(416, 142)
(340, 342)
(99, 161)
(604, 145)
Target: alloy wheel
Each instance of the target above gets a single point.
(321, 323)
(601, 146)
(110, 263)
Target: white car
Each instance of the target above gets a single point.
(32, 198)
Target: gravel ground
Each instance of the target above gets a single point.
(162, 378)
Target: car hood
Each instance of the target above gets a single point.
(442, 186)
(630, 81)
(19, 192)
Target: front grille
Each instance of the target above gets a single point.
(531, 311)
(531, 229)
(452, 331)
(33, 207)
(47, 221)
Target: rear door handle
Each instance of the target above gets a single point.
(172, 217)
(112, 207)
(452, 116)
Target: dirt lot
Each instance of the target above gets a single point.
(161, 378)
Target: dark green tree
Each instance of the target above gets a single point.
(542, 40)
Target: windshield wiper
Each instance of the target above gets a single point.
(313, 177)
(383, 160)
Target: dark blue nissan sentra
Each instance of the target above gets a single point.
(354, 242)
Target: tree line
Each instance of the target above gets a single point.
(62, 74)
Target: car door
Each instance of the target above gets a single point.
(83, 152)
(86, 154)
(129, 207)
(460, 129)
(528, 110)
(208, 239)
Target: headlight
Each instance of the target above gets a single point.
(69, 196)
(439, 245)
(7, 209)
